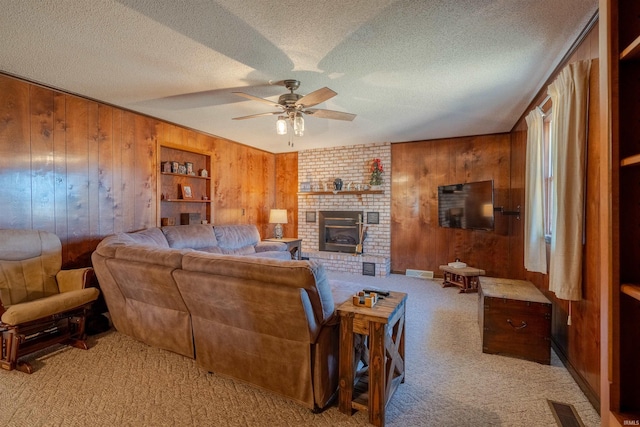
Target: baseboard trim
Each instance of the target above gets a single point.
(592, 396)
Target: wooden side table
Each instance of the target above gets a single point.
(371, 388)
(467, 278)
(294, 245)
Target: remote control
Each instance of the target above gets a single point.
(382, 292)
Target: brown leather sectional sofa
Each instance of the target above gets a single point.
(269, 322)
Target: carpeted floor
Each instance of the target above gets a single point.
(449, 381)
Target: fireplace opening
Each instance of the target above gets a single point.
(338, 230)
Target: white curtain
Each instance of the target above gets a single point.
(535, 252)
(570, 97)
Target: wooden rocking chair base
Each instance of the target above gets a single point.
(18, 341)
(24, 367)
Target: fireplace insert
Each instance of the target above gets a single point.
(339, 230)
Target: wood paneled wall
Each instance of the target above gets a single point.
(84, 170)
(287, 195)
(418, 168)
(578, 344)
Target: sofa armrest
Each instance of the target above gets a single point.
(72, 280)
(270, 246)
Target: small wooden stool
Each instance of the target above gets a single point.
(467, 278)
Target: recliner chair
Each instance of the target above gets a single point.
(40, 304)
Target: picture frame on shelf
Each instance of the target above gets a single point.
(174, 167)
(186, 192)
(182, 169)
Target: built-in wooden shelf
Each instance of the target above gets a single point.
(632, 51)
(340, 192)
(185, 175)
(632, 290)
(623, 374)
(631, 160)
(172, 186)
(187, 200)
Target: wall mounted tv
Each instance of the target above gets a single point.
(468, 205)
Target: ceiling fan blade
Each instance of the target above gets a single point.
(257, 115)
(316, 97)
(330, 114)
(255, 98)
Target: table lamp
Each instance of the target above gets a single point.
(278, 217)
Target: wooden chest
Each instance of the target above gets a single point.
(515, 319)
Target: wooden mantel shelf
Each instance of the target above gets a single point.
(339, 192)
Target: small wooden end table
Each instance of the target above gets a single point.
(467, 278)
(294, 245)
(383, 324)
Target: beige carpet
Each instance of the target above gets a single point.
(449, 381)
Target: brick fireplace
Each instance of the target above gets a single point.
(317, 169)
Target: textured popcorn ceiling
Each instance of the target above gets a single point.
(410, 70)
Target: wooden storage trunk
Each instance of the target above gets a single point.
(515, 319)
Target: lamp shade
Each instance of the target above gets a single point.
(278, 216)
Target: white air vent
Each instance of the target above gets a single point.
(420, 274)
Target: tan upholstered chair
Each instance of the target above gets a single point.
(40, 304)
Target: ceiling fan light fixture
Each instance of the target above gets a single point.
(293, 106)
(298, 125)
(281, 126)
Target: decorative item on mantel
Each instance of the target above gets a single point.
(376, 174)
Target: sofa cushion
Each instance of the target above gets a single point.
(268, 246)
(48, 306)
(308, 275)
(237, 239)
(150, 236)
(29, 273)
(271, 254)
(194, 236)
(212, 250)
(152, 256)
(24, 244)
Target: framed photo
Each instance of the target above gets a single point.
(174, 167)
(311, 216)
(182, 169)
(166, 167)
(373, 217)
(305, 186)
(186, 192)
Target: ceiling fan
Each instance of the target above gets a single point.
(293, 106)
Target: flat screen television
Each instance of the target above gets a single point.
(468, 205)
